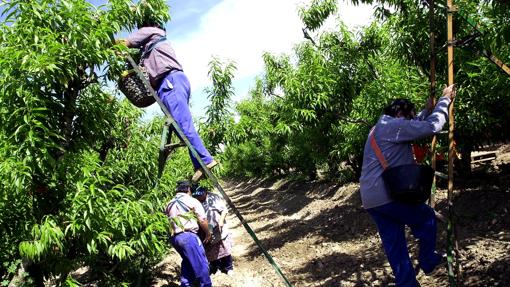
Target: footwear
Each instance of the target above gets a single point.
(199, 172)
(441, 261)
(212, 270)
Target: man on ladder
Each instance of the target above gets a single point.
(169, 81)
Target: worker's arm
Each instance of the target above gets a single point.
(204, 225)
(202, 219)
(222, 219)
(429, 107)
(401, 130)
(139, 38)
(136, 39)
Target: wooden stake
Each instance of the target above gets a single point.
(432, 93)
(451, 148)
(453, 267)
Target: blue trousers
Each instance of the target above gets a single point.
(194, 266)
(175, 92)
(391, 220)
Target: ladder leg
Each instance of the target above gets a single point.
(164, 152)
(167, 147)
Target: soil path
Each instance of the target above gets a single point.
(320, 236)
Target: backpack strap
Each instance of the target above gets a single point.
(151, 47)
(180, 203)
(377, 150)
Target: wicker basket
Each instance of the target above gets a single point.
(133, 88)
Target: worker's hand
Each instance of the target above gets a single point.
(450, 91)
(204, 226)
(119, 53)
(121, 42)
(119, 50)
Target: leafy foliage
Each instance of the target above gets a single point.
(253, 149)
(311, 111)
(305, 103)
(219, 115)
(313, 17)
(77, 179)
(481, 84)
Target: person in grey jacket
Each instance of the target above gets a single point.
(394, 132)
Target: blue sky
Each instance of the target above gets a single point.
(186, 15)
(240, 31)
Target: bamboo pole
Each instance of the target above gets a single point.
(486, 53)
(496, 61)
(432, 94)
(453, 267)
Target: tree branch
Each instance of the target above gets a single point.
(351, 120)
(308, 37)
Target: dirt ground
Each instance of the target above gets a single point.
(319, 235)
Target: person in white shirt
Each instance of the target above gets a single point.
(185, 239)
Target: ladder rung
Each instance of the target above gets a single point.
(175, 145)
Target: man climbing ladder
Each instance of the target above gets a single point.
(166, 76)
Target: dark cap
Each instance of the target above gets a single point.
(404, 106)
(183, 186)
(199, 191)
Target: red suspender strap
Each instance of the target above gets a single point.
(377, 150)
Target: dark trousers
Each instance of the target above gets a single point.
(175, 96)
(223, 264)
(391, 220)
(194, 266)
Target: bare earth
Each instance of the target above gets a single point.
(319, 234)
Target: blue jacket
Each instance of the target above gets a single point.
(394, 136)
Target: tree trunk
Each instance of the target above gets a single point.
(36, 273)
(464, 163)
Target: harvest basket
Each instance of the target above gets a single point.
(134, 89)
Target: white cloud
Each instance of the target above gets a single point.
(242, 30)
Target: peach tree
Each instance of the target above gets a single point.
(312, 109)
(78, 170)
